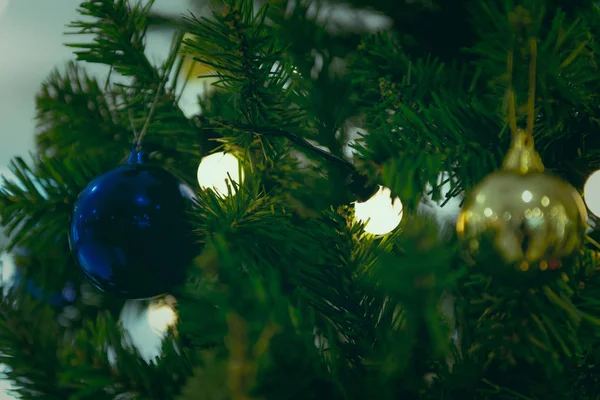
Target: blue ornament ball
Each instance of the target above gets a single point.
(57, 300)
(130, 230)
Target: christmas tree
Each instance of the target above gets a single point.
(311, 268)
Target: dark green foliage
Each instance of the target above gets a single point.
(567, 74)
(92, 374)
(118, 30)
(242, 39)
(30, 341)
(290, 298)
(73, 104)
(37, 207)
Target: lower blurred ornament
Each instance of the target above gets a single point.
(65, 297)
(130, 230)
(521, 215)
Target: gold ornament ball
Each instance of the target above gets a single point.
(525, 217)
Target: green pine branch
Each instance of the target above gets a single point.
(542, 316)
(103, 364)
(35, 212)
(35, 208)
(235, 224)
(323, 87)
(263, 331)
(281, 287)
(566, 76)
(253, 66)
(119, 33)
(354, 311)
(79, 120)
(76, 118)
(29, 343)
(414, 132)
(248, 63)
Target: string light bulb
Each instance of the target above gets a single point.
(161, 316)
(218, 171)
(591, 193)
(380, 213)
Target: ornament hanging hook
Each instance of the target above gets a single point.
(532, 87)
(512, 108)
(159, 90)
(522, 156)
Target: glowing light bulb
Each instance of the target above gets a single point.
(217, 170)
(161, 317)
(591, 193)
(382, 214)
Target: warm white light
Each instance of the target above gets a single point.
(217, 169)
(591, 193)
(527, 196)
(161, 317)
(382, 214)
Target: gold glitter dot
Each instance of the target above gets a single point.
(543, 265)
(545, 201)
(524, 266)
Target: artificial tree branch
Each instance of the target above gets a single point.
(358, 183)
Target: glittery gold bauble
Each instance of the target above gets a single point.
(523, 216)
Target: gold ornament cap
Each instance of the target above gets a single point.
(522, 157)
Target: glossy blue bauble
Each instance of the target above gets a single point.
(130, 230)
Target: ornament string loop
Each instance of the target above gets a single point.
(522, 157)
(139, 137)
(512, 108)
(532, 86)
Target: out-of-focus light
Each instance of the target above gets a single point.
(161, 317)
(218, 170)
(591, 193)
(381, 214)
